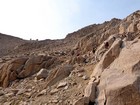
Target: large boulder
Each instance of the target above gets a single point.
(108, 57)
(119, 83)
(32, 65)
(130, 24)
(9, 71)
(132, 27)
(58, 74)
(104, 47)
(112, 52)
(90, 92)
(23, 67)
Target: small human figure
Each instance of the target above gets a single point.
(106, 45)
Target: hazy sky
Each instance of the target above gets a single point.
(54, 19)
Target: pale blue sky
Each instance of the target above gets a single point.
(54, 19)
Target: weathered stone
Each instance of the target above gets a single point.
(81, 101)
(122, 28)
(43, 92)
(132, 27)
(90, 92)
(54, 91)
(62, 84)
(1, 92)
(32, 65)
(108, 58)
(9, 71)
(138, 26)
(85, 77)
(80, 74)
(104, 47)
(119, 84)
(59, 74)
(43, 73)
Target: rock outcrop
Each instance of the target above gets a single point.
(120, 82)
(59, 74)
(118, 67)
(43, 73)
(23, 67)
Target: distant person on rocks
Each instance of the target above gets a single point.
(106, 45)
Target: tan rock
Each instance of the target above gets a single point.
(66, 87)
(59, 74)
(80, 74)
(108, 58)
(104, 47)
(1, 92)
(132, 27)
(9, 71)
(32, 65)
(62, 84)
(138, 26)
(53, 91)
(122, 28)
(119, 84)
(85, 77)
(43, 92)
(80, 101)
(90, 92)
(43, 73)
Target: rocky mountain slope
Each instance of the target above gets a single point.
(96, 65)
(8, 43)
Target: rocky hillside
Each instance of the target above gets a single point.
(8, 43)
(96, 65)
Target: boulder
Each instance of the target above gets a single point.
(132, 27)
(80, 101)
(62, 84)
(108, 57)
(9, 71)
(138, 26)
(119, 83)
(32, 65)
(104, 47)
(35, 63)
(22, 67)
(77, 59)
(90, 92)
(122, 28)
(59, 74)
(43, 73)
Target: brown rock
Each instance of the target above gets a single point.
(43, 92)
(9, 71)
(90, 92)
(104, 47)
(108, 58)
(43, 73)
(59, 74)
(132, 27)
(119, 84)
(138, 26)
(54, 91)
(80, 101)
(62, 84)
(122, 28)
(32, 65)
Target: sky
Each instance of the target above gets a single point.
(54, 19)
